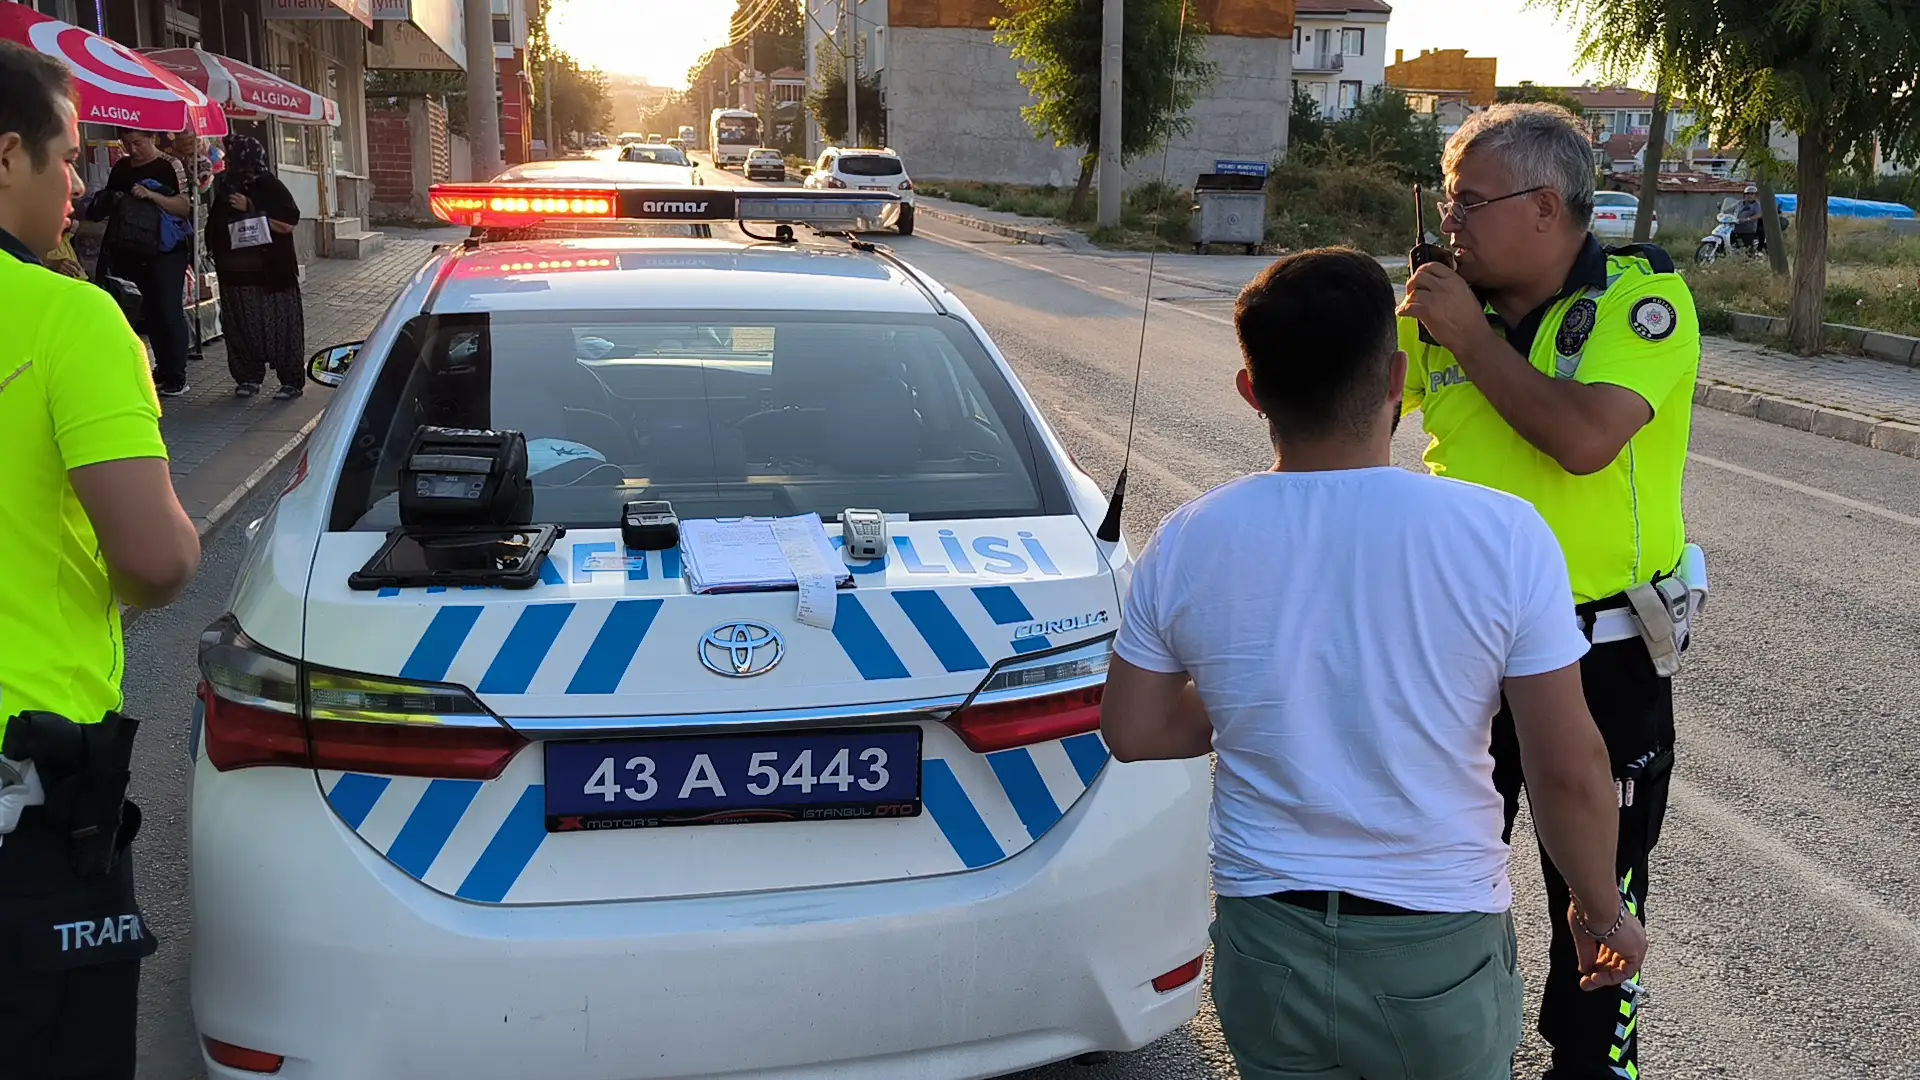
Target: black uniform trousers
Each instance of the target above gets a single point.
(70, 952)
(1595, 1035)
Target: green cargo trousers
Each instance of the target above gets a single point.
(1318, 995)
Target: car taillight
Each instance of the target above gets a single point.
(263, 709)
(906, 185)
(1036, 699)
(835, 182)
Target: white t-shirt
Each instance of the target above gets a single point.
(1348, 632)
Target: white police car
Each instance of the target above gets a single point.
(447, 832)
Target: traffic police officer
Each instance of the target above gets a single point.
(89, 513)
(1562, 372)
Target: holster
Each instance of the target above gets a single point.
(1662, 609)
(85, 769)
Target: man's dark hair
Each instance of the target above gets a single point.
(1318, 333)
(31, 86)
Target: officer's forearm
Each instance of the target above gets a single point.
(1558, 417)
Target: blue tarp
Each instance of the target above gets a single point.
(1850, 208)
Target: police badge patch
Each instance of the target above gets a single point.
(1576, 327)
(1653, 318)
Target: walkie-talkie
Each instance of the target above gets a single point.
(1423, 252)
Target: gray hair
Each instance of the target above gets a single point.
(1541, 145)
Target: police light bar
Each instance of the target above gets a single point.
(514, 205)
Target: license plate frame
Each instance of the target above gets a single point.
(577, 765)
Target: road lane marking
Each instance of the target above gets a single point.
(1036, 268)
(1804, 489)
(1810, 874)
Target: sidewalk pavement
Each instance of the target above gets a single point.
(221, 447)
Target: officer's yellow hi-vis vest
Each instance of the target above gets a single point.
(1624, 319)
(74, 391)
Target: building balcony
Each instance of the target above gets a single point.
(1304, 62)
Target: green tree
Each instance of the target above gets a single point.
(827, 102)
(1839, 73)
(777, 29)
(1382, 132)
(1306, 129)
(1058, 43)
(1384, 129)
(1527, 92)
(579, 95)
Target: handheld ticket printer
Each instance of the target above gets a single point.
(466, 509)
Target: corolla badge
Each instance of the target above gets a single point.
(741, 649)
(1059, 626)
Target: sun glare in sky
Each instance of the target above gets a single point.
(661, 39)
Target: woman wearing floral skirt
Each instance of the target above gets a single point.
(250, 234)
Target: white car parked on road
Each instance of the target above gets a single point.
(606, 828)
(1615, 213)
(866, 170)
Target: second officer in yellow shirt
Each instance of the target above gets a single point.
(1563, 372)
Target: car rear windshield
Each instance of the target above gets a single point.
(663, 155)
(870, 165)
(724, 414)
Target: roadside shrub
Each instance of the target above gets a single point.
(1369, 207)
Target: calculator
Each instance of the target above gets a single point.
(865, 533)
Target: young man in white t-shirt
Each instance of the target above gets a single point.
(1339, 632)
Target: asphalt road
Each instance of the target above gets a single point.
(1784, 944)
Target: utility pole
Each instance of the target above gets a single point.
(753, 78)
(546, 46)
(483, 112)
(1112, 36)
(852, 42)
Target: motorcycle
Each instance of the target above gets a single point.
(1717, 244)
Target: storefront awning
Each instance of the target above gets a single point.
(117, 86)
(245, 91)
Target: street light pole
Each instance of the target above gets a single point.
(1112, 35)
(852, 42)
(553, 148)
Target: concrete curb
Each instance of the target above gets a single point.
(217, 517)
(225, 507)
(1021, 233)
(1892, 348)
(1857, 428)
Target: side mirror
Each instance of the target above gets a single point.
(328, 367)
(806, 170)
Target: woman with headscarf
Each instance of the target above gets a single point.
(250, 235)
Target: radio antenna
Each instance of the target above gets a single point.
(1109, 531)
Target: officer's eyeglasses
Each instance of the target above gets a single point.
(1455, 211)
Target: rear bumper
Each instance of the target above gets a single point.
(311, 945)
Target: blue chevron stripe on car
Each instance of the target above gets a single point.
(1007, 609)
(981, 815)
(959, 641)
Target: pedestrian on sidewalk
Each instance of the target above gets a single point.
(250, 235)
(89, 509)
(1563, 373)
(1339, 631)
(144, 256)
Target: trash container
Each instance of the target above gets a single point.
(1229, 208)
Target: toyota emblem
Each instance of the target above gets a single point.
(741, 649)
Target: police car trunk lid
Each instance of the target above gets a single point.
(630, 658)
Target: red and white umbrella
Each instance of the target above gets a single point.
(117, 86)
(245, 91)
